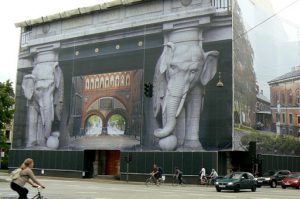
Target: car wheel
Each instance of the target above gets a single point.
(284, 187)
(273, 184)
(237, 188)
(218, 189)
(258, 186)
(253, 189)
(298, 187)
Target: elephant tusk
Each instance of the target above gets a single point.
(165, 102)
(181, 105)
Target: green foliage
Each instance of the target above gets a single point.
(7, 102)
(117, 121)
(7, 110)
(270, 143)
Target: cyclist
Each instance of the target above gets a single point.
(178, 175)
(202, 175)
(26, 175)
(213, 175)
(156, 172)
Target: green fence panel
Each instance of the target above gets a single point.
(187, 163)
(168, 162)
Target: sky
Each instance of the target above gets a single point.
(14, 11)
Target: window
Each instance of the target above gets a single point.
(291, 118)
(7, 133)
(298, 119)
(283, 118)
(277, 117)
(87, 84)
(298, 96)
(282, 97)
(290, 97)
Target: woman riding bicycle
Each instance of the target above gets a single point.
(26, 175)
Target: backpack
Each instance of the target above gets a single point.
(15, 174)
(160, 170)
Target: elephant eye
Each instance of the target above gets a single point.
(193, 71)
(172, 67)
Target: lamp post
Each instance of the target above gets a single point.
(278, 119)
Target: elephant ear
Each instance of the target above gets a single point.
(159, 80)
(28, 85)
(59, 91)
(210, 67)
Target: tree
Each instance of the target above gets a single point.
(244, 74)
(7, 110)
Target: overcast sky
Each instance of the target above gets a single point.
(14, 11)
(19, 10)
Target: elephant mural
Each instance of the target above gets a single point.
(181, 74)
(43, 90)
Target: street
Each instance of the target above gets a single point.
(64, 188)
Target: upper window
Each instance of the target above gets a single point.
(298, 96)
(290, 97)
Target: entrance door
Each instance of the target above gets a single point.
(112, 163)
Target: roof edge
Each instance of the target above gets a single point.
(75, 12)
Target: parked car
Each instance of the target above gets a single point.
(236, 181)
(292, 180)
(265, 179)
(277, 178)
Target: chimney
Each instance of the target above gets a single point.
(293, 68)
(297, 68)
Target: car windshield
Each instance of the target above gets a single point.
(294, 175)
(233, 176)
(268, 174)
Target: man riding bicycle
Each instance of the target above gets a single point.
(213, 176)
(156, 172)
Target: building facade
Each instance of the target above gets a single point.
(80, 89)
(285, 99)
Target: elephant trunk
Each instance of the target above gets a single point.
(173, 105)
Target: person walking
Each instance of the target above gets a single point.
(26, 176)
(178, 175)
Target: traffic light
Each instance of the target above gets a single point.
(148, 89)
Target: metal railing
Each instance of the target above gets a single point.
(222, 5)
(25, 37)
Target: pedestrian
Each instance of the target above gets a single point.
(178, 175)
(202, 175)
(26, 175)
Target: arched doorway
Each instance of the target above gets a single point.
(117, 122)
(93, 125)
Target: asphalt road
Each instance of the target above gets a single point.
(64, 188)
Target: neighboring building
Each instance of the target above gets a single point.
(263, 111)
(285, 102)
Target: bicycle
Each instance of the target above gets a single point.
(204, 181)
(154, 181)
(38, 195)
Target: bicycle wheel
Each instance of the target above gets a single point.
(174, 182)
(148, 181)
